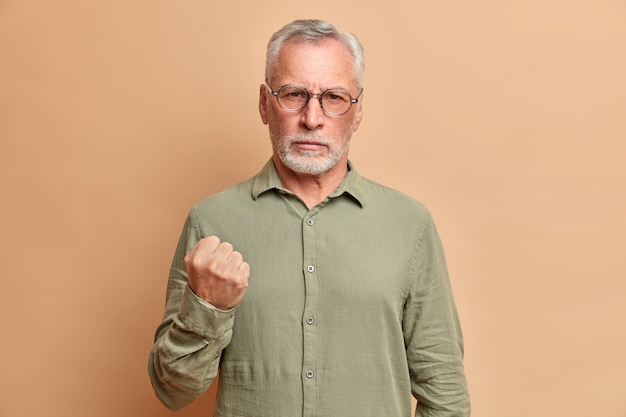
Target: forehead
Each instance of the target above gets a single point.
(323, 64)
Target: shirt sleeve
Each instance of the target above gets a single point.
(185, 357)
(432, 333)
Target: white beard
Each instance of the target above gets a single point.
(308, 161)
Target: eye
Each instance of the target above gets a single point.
(293, 93)
(334, 96)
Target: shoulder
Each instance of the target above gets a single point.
(382, 197)
(226, 199)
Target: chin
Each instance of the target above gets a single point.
(308, 166)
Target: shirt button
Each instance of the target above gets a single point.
(310, 268)
(310, 320)
(310, 222)
(309, 374)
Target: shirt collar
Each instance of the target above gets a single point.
(267, 179)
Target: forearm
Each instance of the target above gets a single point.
(184, 359)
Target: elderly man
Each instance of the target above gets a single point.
(313, 291)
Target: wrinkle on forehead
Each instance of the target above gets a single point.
(316, 65)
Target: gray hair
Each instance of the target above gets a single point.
(314, 31)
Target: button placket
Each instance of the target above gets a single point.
(311, 303)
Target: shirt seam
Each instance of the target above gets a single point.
(195, 224)
(418, 245)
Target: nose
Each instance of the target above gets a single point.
(313, 114)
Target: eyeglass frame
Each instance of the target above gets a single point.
(309, 95)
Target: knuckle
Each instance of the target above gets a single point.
(227, 247)
(210, 243)
(212, 239)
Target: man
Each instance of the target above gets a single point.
(313, 290)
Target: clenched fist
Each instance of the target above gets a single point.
(217, 273)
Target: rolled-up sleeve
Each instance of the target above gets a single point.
(184, 359)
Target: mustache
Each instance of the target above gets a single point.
(308, 137)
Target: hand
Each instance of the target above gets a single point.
(217, 273)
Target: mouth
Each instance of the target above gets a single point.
(309, 145)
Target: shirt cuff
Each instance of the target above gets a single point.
(201, 317)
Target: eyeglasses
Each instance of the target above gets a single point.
(334, 102)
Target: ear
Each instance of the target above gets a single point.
(263, 104)
(358, 116)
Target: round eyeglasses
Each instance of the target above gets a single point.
(334, 101)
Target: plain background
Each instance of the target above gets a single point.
(506, 118)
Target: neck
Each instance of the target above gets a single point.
(312, 189)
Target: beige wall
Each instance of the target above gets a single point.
(506, 118)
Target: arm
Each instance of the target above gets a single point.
(432, 332)
(188, 343)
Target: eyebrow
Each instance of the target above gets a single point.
(311, 91)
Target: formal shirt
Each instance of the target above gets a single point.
(348, 312)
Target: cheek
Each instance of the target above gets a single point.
(279, 127)
(349, 128)
(285, 123)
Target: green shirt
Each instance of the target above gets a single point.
(349, 308)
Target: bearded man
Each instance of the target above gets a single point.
(314, 291)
